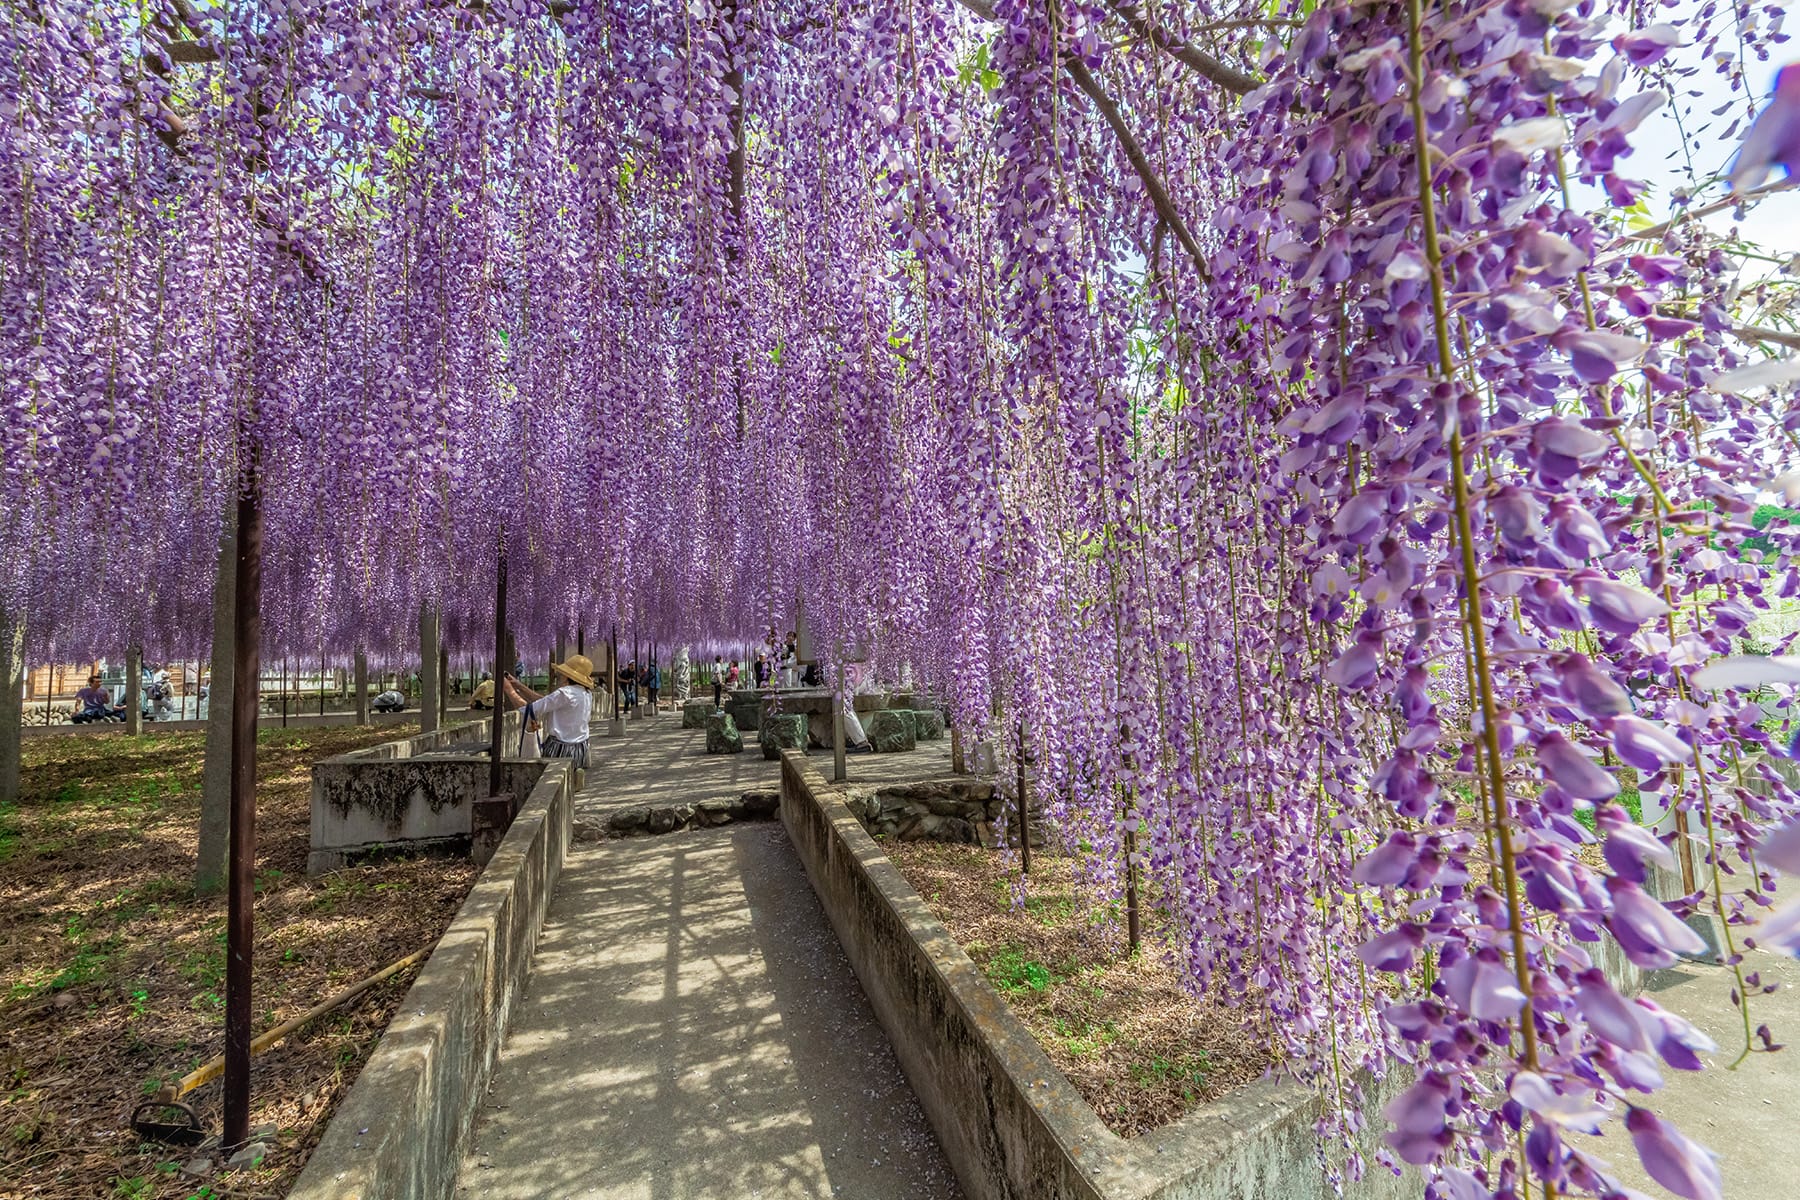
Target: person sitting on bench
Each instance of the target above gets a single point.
(483, 695)
(96, 704)
(390, 701)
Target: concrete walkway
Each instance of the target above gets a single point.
(1748, 1117)
(691, 1029)
(659, 763)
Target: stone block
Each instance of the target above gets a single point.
(930, 723)
(892, 729)
(722, 736)
(746, 706)
(784, 732)
(761, 802)
(695, 712)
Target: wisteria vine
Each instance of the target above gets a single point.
(1282, 423)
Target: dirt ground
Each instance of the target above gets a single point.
(1140, 1049)
(112, 973)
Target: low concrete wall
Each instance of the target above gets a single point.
(295, 721)
(1012, 1126)
(399, 1134)
(413, 794)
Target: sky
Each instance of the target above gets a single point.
(1658, 158)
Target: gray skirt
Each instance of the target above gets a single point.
(554, 747)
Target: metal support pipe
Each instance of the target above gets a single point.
(1024, 808)
(246, 637)
(501, 666)
(362, 687)
(840, 770)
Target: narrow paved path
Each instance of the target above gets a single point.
(691, 1029)
(1749, 1117)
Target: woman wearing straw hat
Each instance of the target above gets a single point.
(563, 714)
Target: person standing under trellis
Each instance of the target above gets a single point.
(561, 716)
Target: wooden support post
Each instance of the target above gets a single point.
(958, 766)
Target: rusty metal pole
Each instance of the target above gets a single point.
(1024, 808)
(246, 636)
(495, 748)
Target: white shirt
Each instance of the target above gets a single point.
(564, 713)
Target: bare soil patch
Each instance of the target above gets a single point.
(112, 972)
(1140, 1048)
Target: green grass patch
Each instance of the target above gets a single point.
(1186, 1071)
(1082, 1037)
(1012, 974)
(205, 967)
(339, 887)
(9, 830)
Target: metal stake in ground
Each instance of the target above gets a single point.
(1024, 808)
(838, 770)
(501, 666)
(246, 637)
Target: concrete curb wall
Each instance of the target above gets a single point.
(1012, 1126)
(188, 725)
(411, 794)
(399, 1134)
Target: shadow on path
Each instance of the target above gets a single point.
(691, 1030)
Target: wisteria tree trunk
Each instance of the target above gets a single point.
(215, 796)
(12, 704)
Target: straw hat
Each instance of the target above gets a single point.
(578, 670)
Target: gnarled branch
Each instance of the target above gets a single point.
(1134, 153)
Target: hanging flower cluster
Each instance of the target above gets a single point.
(1278, 425)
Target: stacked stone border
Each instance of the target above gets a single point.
(401, 1130)
(1011, 1125)
(653, 820)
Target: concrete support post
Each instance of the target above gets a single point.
(840, 770)
(429, 703)
(361, 687)
(12, 705)
(134, 690)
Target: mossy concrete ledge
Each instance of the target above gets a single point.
(410, 795)
(399, 1134)
(1011, 1124)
